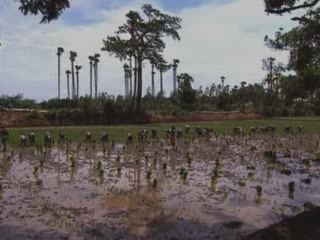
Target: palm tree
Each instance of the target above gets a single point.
(174, 67)
(77, 72)
(96, 61)
(59, 53)
(130, 75)
(73, 56)
(222, 82)
(163, 66)
(68, 72)
(91, 58)
(153, 90)
(126, 79)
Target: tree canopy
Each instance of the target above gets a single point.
(49, 9)
(142, 39)
(287, 6)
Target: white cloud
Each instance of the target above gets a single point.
(216, 40)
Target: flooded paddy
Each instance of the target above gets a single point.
(222, 187)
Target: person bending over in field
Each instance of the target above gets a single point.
(104, 137)
(47, 140)
(4, 134)
(154, 133)
(88, 137)
(62, 138)
(129, 139)
(173, 138)
(23, 141)
(32, 139)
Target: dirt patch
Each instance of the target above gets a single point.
(203, 116)
(27, 119)
(303, 226)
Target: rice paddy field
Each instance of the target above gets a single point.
(214, 186)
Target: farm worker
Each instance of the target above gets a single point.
(173, 138)
(62, 138)
(104, 137)
(47, 139)
(32, 139)
(88, 136)
(129, 139)
(4, 134)
(23, 141)
(179, 133)
(154, 133)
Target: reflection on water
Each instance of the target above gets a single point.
(203, 183)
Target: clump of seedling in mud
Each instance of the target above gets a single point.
(250, 174)
(291, 186)
(253, 148)
(119, 169)
(101, 172)
(118, 158)
(259, 190)
(307, 163)
(41, 162)
(184, 173)
(272, 155)
(73, 162)
(0, 187)
(252, 168)
(189, 159)
(149, 174)
(155, 183)
(104, 149)
(285, 172)
(35, 170)
(99, 165)
(287, 154)
(39, 182)
(306, 181)
(242, 183)
(218, 163)
(164, 166)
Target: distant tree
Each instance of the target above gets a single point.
(186, 94)
(145, 40)
(73, 56)
(163, 67)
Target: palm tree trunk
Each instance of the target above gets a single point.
(59, 77)
(78, 85)
(135, 84)
(96, 94)
(161, 83)
(139, 90)
(68, 86)
(130, 76)
(73, 80)
(90, 79)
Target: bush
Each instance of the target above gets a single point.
(51, 116)
(32, 115)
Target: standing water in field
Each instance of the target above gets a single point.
(222, 187)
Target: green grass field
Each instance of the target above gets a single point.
(119, 133)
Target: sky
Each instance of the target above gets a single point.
(218, 37)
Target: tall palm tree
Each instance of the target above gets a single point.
(59, 53)
(68, 72)
(77, 72)
(162, 66)
(96, 61)
(91, 58)
(130, 75)
(153, 90)
(73, 56)
(126, 69)
(223, 78)
(174, 67)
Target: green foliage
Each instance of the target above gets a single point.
(16, 102)
(145, 40)
(49, 9)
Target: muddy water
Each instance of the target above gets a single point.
(63, 194)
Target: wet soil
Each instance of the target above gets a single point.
(216, 188)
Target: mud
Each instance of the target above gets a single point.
(208, 189)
